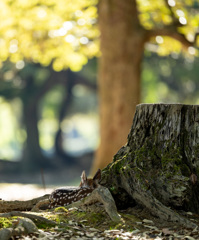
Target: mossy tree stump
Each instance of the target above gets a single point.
(159, 165)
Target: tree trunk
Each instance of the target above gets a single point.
(159, 165)
(122, 46)
(33, 158)
(64, 108)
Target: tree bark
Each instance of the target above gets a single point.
(122, 46)
(159, 165)
(64, 108)
(33, 158)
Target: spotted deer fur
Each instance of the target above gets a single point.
(67, 195)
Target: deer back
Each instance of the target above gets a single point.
(67, 195)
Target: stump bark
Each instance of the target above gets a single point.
(159, 165)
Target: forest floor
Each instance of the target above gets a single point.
(77, 224)
(137, 223)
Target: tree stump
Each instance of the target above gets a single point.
(159, 165)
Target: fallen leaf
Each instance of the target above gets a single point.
(189, 238)
(151, 227)
(147, 221)
(166, 231)
(90, 234)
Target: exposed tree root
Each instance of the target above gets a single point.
(8, 206)
(102, 195)
(146, 199)
(40, 204)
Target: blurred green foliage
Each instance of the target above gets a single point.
(49, 91)
(170, 79)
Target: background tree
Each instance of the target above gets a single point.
(126, 27)
(30, 87)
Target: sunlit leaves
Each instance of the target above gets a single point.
(169, 45)
(153, 13)
(158, 13)
(62, 32)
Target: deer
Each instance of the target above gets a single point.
(67, 195)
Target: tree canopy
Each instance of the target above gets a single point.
(170, 18)
(65, 34)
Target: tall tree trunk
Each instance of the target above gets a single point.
(122, 46)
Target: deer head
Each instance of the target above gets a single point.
(90, 182)
(68, 195)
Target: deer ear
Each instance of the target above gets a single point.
(83, 177)
(97, 176)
